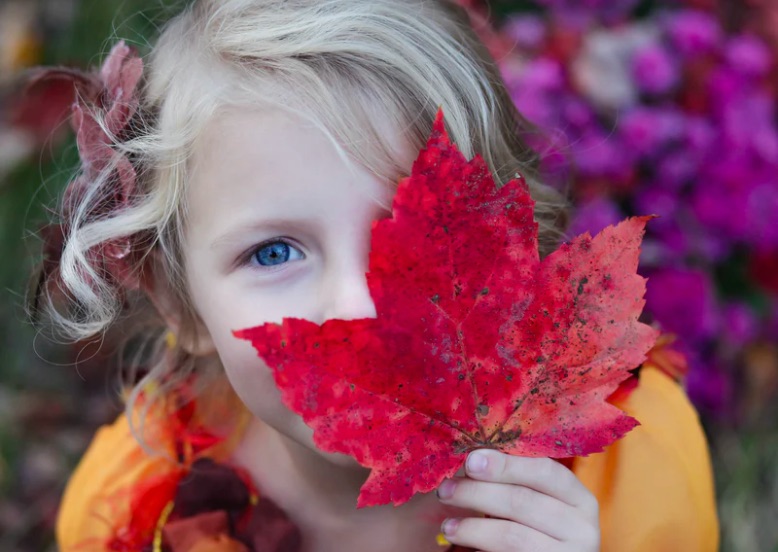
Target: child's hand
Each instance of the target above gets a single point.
(532, 504)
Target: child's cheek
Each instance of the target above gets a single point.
(253, 382)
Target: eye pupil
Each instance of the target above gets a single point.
(273, 254)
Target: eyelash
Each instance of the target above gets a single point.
(250, 257)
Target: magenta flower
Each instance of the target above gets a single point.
(655, 70)
(693, 33)
(748, 55)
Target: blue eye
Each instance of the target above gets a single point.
(276, 253)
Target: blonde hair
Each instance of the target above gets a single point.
(341, 60)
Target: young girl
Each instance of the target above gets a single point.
(233, 181)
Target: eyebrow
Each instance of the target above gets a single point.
(276, 225)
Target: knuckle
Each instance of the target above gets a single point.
(513, 538)
(518, 499)
(547, 469)
(466, 491)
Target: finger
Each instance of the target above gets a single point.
(497, 535)
(517, 503)
(542, 474)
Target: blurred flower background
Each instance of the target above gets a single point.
(639, 107)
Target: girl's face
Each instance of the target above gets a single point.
(278, 227)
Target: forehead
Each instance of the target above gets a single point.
(250, 163)
(380, 142)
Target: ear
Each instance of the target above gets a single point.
(190, 333)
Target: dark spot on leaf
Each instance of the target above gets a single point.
(283, 343)
(435, 298)
(558, 443)
(581, 284)
(483, 409)
(460, 377)
(485, 291)
(534, 391)
(316, 345)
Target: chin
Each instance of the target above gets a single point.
(304, 436)
(341, 460)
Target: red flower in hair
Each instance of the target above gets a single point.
(106, 101)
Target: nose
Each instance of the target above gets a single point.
(345, 295)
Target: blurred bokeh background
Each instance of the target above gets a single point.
(641, 106)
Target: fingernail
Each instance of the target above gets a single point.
(446, 489)
(476, 462)
(449, 527)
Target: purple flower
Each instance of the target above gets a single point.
(594, 215)
(748, 125)
(740, 323)
(536, 90)
(577, 113)
(692, 33)
(673, 238)
(646, 130)
(580, 13)
(725, 86)
(652, 200)
(655, 70)
(682, 301)
(597, 154)
(762, 212)
(675, 169)
(709, 388)
(748, 55)
(529, 31)
(654, 253)
(720, 205)
(545, 74)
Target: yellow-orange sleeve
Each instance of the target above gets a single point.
(655, 486)
(96, 498)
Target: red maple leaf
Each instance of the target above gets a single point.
(477, 342)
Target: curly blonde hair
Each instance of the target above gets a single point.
(342, 60)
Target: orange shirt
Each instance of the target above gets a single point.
(654, 486)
